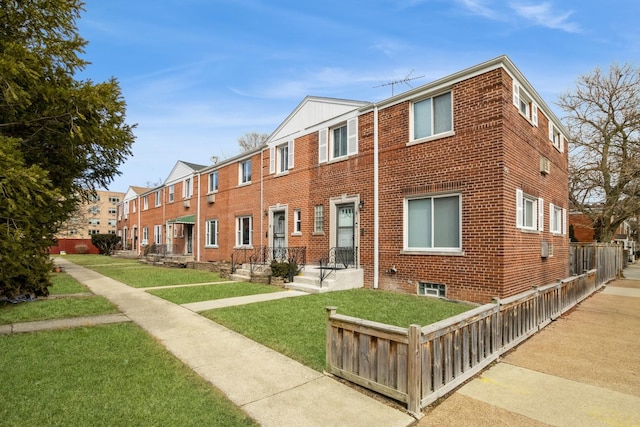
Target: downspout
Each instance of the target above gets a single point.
(261, 195)
(376, 216)
(139, 226)
(198, 221)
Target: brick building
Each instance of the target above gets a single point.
(457, 188)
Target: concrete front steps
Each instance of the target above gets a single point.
(335, 280)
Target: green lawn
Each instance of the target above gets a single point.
(55, 309)
(109, 375)
(90, 260)
(63, 283)
(296, 326)
(212, 292)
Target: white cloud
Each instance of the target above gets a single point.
(480, 7)
(543, 14)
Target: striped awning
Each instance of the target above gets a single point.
(187, 219)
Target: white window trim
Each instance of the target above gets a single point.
(537, 212)
(145, 203)
(187, 188)
(558, 229)
(553, 131)
(241, 172)
(209, 184)
(239, 243)
(325, 141)
(318, 209)
(297, 222)
(275, 158)
(158, 197)
(172, 191)
(157, 234)
(532, 109)
(430, 250)
(208, 234)
(412, 138)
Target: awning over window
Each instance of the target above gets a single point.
(187, 219)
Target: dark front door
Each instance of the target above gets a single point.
(279, 236)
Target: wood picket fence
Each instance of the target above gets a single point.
(417, 365)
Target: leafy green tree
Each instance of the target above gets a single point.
(71, 132)
(604, 148)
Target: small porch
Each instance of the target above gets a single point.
(336, 271)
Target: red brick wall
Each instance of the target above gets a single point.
(70, 246)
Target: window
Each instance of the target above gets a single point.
(94, 221)
(157, 234)
(523, 101)
(281, 158)
(113, 199)
(112, 211)
(245, 172)
(297, 221)
(94, 198)
(433, 223)
(318, 220)
(432, 116)
(243, 231)
(135, 204)
(111, 232)
(112, 222)
(186, 188)
(556, 137)
(145, 235)
(94, 210)
(338, 142)
(529, 212)
(172, 192)
(557, 219)
(145, 202)
(92, 232)
(211, 233)
(158, 197)
(432, 289)
(213, 181)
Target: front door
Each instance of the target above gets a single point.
(188, 234)
(345, 237)
(279, 236)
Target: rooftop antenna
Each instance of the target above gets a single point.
(406, 81)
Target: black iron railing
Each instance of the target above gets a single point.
(265, 255)
(338, 258)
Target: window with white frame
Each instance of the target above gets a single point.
(94, 210)
(244, 172)
(186, 188)
(145, 202)
(432, 116)
(525, 104)
(145, 235)
(281, 158)
(318, 219)
(114, 199)
(112, 211)
(112, 222)
(529, 212)
(557, 219)
(297, 221)
(432, 289)
(135, 204)
(158, 197)
(556, 137)
(211, 233)
(172, 193)
(243, 230)
(94, 221)
(433, 223)
(339, 141)
(213, 181)
(157, 234)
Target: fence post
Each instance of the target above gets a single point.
(414, 370)
(329, 339)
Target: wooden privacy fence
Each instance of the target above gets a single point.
(417, 365)
(607, 258)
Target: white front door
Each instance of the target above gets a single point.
(345, 234)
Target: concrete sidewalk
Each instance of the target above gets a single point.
(271, 388)
(581, 370)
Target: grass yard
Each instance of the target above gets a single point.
(65, 284)
(296, 326)
(212, 292)
(87, 260)
(110, 375)
(55, 309)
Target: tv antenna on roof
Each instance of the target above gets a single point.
(406, 81)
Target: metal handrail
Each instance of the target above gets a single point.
(338, 258)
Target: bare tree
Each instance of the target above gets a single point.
(251, 140)
(604, 148)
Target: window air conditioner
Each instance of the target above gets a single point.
(186, 203)
(545, 165)
(211, 198)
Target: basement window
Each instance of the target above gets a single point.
(432, 289)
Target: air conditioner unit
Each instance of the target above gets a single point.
(546, 250)
(545, 165)
(186, 203)
(211, 198)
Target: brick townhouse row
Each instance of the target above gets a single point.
(458, 188)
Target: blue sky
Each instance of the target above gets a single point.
(198, 74)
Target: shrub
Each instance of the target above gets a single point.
(106, 243)
(81, 248)
(284, 269)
